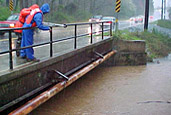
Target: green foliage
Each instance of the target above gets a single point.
(164, 23)
(140, 6)
(151, 6)
(71, 8)
(80, 15)
(126, 35)
(81, 10)
(128, 9)
(69, 13)
(62, 18)
(5, 13)
(169, 10)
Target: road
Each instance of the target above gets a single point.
(59, 33)
(43, 52)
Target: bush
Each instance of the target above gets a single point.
(61, 17)
(164, 23)
(169, 11)
(80, 15)
(5, 13)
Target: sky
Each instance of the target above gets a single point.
(157, 3)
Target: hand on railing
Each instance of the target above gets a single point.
(59, 25)
(65, 25)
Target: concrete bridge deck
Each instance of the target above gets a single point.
(43, 52)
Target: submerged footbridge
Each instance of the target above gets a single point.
(26, 85)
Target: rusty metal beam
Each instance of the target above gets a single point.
(43, 97)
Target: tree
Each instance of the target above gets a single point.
(21, 4)
(169, 10)
(26, 4)
(151, 6)
(16, 5)
(128, 9)
(37, 2)
(140, 6)
(52, 4)
(7, 3)
(61, 2)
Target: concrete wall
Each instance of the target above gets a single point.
(128, 53)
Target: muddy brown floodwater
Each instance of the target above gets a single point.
(131, 90)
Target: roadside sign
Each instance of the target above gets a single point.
(118, 6)
(117, 10)
(11, 5)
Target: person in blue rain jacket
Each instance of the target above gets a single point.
(27, 34)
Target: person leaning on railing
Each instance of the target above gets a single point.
(34, 18)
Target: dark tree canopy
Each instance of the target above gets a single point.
(80, 10)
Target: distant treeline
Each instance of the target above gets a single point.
(81, 10)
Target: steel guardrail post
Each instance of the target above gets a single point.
(91, 41)
(10, 50)
(110, 29)
(102, 31)
(51, 43)
(75, 40)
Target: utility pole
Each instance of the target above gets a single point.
(21, 4)
(162, 11)
(146, 15)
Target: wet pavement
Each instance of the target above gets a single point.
(43, 52)
(131, 90)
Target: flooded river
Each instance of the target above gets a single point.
(131, 90)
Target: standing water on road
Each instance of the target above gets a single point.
(131, 90)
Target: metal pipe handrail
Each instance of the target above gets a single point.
(24, 28)
(55, 25)
(51, 38)
(67, 38)
(86, 23)
(10, 29)
(40, 44)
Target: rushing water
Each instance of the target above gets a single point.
(131, 90)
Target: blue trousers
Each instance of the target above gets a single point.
(27, 40)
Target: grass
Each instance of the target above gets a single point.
(164, 23)
(5, 13)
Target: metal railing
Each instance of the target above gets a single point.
(10, 30)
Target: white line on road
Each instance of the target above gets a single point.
(7, 39)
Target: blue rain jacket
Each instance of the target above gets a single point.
(27, 35)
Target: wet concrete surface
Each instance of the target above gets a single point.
(44, 36)
(131, 90)
(43, 52)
